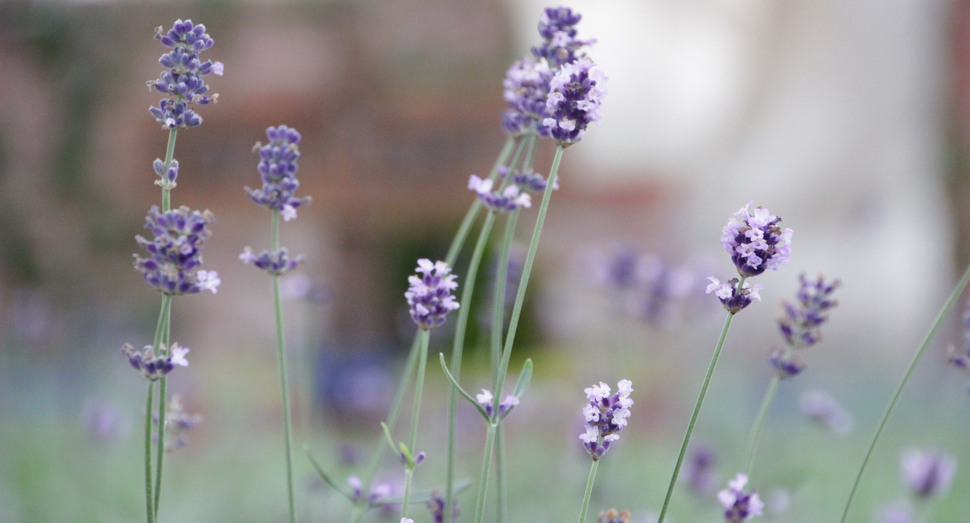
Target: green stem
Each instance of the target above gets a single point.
(149, 500)
(902, 383)
(406, 500)
(697, 410)
(483, 476)
(754, 437)
(500, 473)
(162, 335)
(424, 336)
(526, 273)
(467, 295)
(498, 298)
(281, 360)
(391, 421)
(589, 490)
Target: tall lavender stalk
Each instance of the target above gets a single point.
(173, 256)
(756, 243)
(278, 164)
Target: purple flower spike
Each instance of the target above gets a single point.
(430, 294)
(739, 505)
(175, 252)
(927, 472)
(802, 321)
(606, 414)
(575, 95)
(183, 81)
(526, 87)
(278, 163)
(734, 299)
(756, 242)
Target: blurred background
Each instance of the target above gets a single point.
(849, 119)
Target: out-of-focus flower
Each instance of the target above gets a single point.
(927, 472)
(509, 199)
(801, 323)
(430, 294)
(154, 365)
(177, 422)
(614, 516)
(277, 262)
(739, 505)
(823, 409)
(557, 27)
(606, 414)
(700, 472)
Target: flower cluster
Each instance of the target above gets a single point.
(277, 262)
(509, 199)
(556, 91)
(557, 27)
(277, 168)
(606, 414)
(429, 295)
(755, 241)
(183, 79)
(175, 252)
(738, 504)
(529, 182)
(166, 173)
(927, 472)
(485, 397)
(154, 365)
(825, 410)
(733, 298)
(575, 95)
(802, 321)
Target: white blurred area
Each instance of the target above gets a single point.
(827, 112)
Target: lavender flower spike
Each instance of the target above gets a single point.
(739, 505)
(559, 43)
(606, 414)
(802, 322)
(183, 79)
(277, 168)
(175, 252)
(755, 241)
(525, 89)
(430, 294)
(575, 95)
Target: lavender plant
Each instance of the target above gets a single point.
(278, 165)
(606, 414)
(756, 242)
(173, 256)
(800, 326)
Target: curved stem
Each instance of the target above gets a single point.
(483, 476)
(697, 410)
(902, 383)
(527, 271)
(281, 363)
(754, 437)
(467, 294)
(589, 490)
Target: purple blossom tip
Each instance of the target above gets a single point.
(183, 80)
(576, 92)
(755, 241)
(606, 414)
(430, 293)
(278, 164)
(739, 505)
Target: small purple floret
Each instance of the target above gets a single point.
(606, 414)
(733, 298)
(738, 504)
(430, 294)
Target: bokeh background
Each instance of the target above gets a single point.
(847, 118)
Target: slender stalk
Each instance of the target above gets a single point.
(149, 499)
(281, 360)
(527, 272)
(754, 437)
(391, 421)
(902, 383)
(589, 490)
(162, 335)
(467, 294)
(424, 336)
(483, 476)
(697, 410)
(500, 474)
